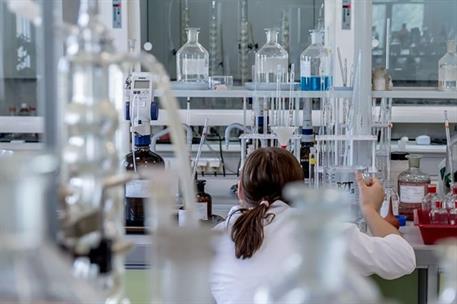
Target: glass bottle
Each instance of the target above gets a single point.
(317, 271)
(412, 186)
(271, 59)
(451, 197)
(315, 65)
(192, 59)
(429, 198)
(204, 204)
(447, 74)
(438, 214)
(136, 191)
(391, 202)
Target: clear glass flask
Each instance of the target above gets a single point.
(447, 74)
(32, 270)
(429, 198)
(412, 186)
(315, 65)
(317, 272)
(272, 59)
(192, 59)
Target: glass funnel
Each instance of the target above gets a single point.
(31, 268)
(447, 74)
(315, 65)
(272, 60)
(192, 59)
(317, 272)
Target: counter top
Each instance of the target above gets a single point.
(425, 257)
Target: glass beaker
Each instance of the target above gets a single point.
(343, 178)
(192, 59)
(315, 65)
(31, 268)
(447, 74)
(317, 272)
(271, 59)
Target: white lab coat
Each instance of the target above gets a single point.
(233, 281)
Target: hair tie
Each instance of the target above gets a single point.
(266, 203)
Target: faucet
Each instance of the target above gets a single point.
(156, 137)
(229, 129)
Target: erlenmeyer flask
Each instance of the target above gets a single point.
(318, 272)
(31, 268)
(271, 59)
(192, 59)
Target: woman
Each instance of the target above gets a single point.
(257, 238)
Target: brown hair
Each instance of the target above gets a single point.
(265, 173)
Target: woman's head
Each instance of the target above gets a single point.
(264, 175)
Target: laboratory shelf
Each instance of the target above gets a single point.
(416, 93)
(241, 92)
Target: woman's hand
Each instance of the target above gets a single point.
(371, 196)
(371, 199)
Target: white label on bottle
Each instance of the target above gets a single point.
(305, 69)
(202, 211)
(411, 194)
(137, 189)
(194, 67)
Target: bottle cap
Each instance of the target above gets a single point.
(401, 219)
(142, 140)
(431, 188)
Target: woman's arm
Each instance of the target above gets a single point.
(371, 199)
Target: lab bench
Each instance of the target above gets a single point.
(426, 261)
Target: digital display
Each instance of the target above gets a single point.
(141, 84)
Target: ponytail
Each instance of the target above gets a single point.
(247, 231)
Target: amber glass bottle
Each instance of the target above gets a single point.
(137, 190)
(204, 202)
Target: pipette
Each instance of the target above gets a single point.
(199, 151)
(449, 147)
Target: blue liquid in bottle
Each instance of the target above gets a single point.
(316, 83)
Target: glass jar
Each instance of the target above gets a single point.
(438, 215)
(447, 74)
(192, 59)
(136, 191)
(272, 60)
(204, 202)
(315, 65)
(429, 198)
(450, 203)
(412, 185)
